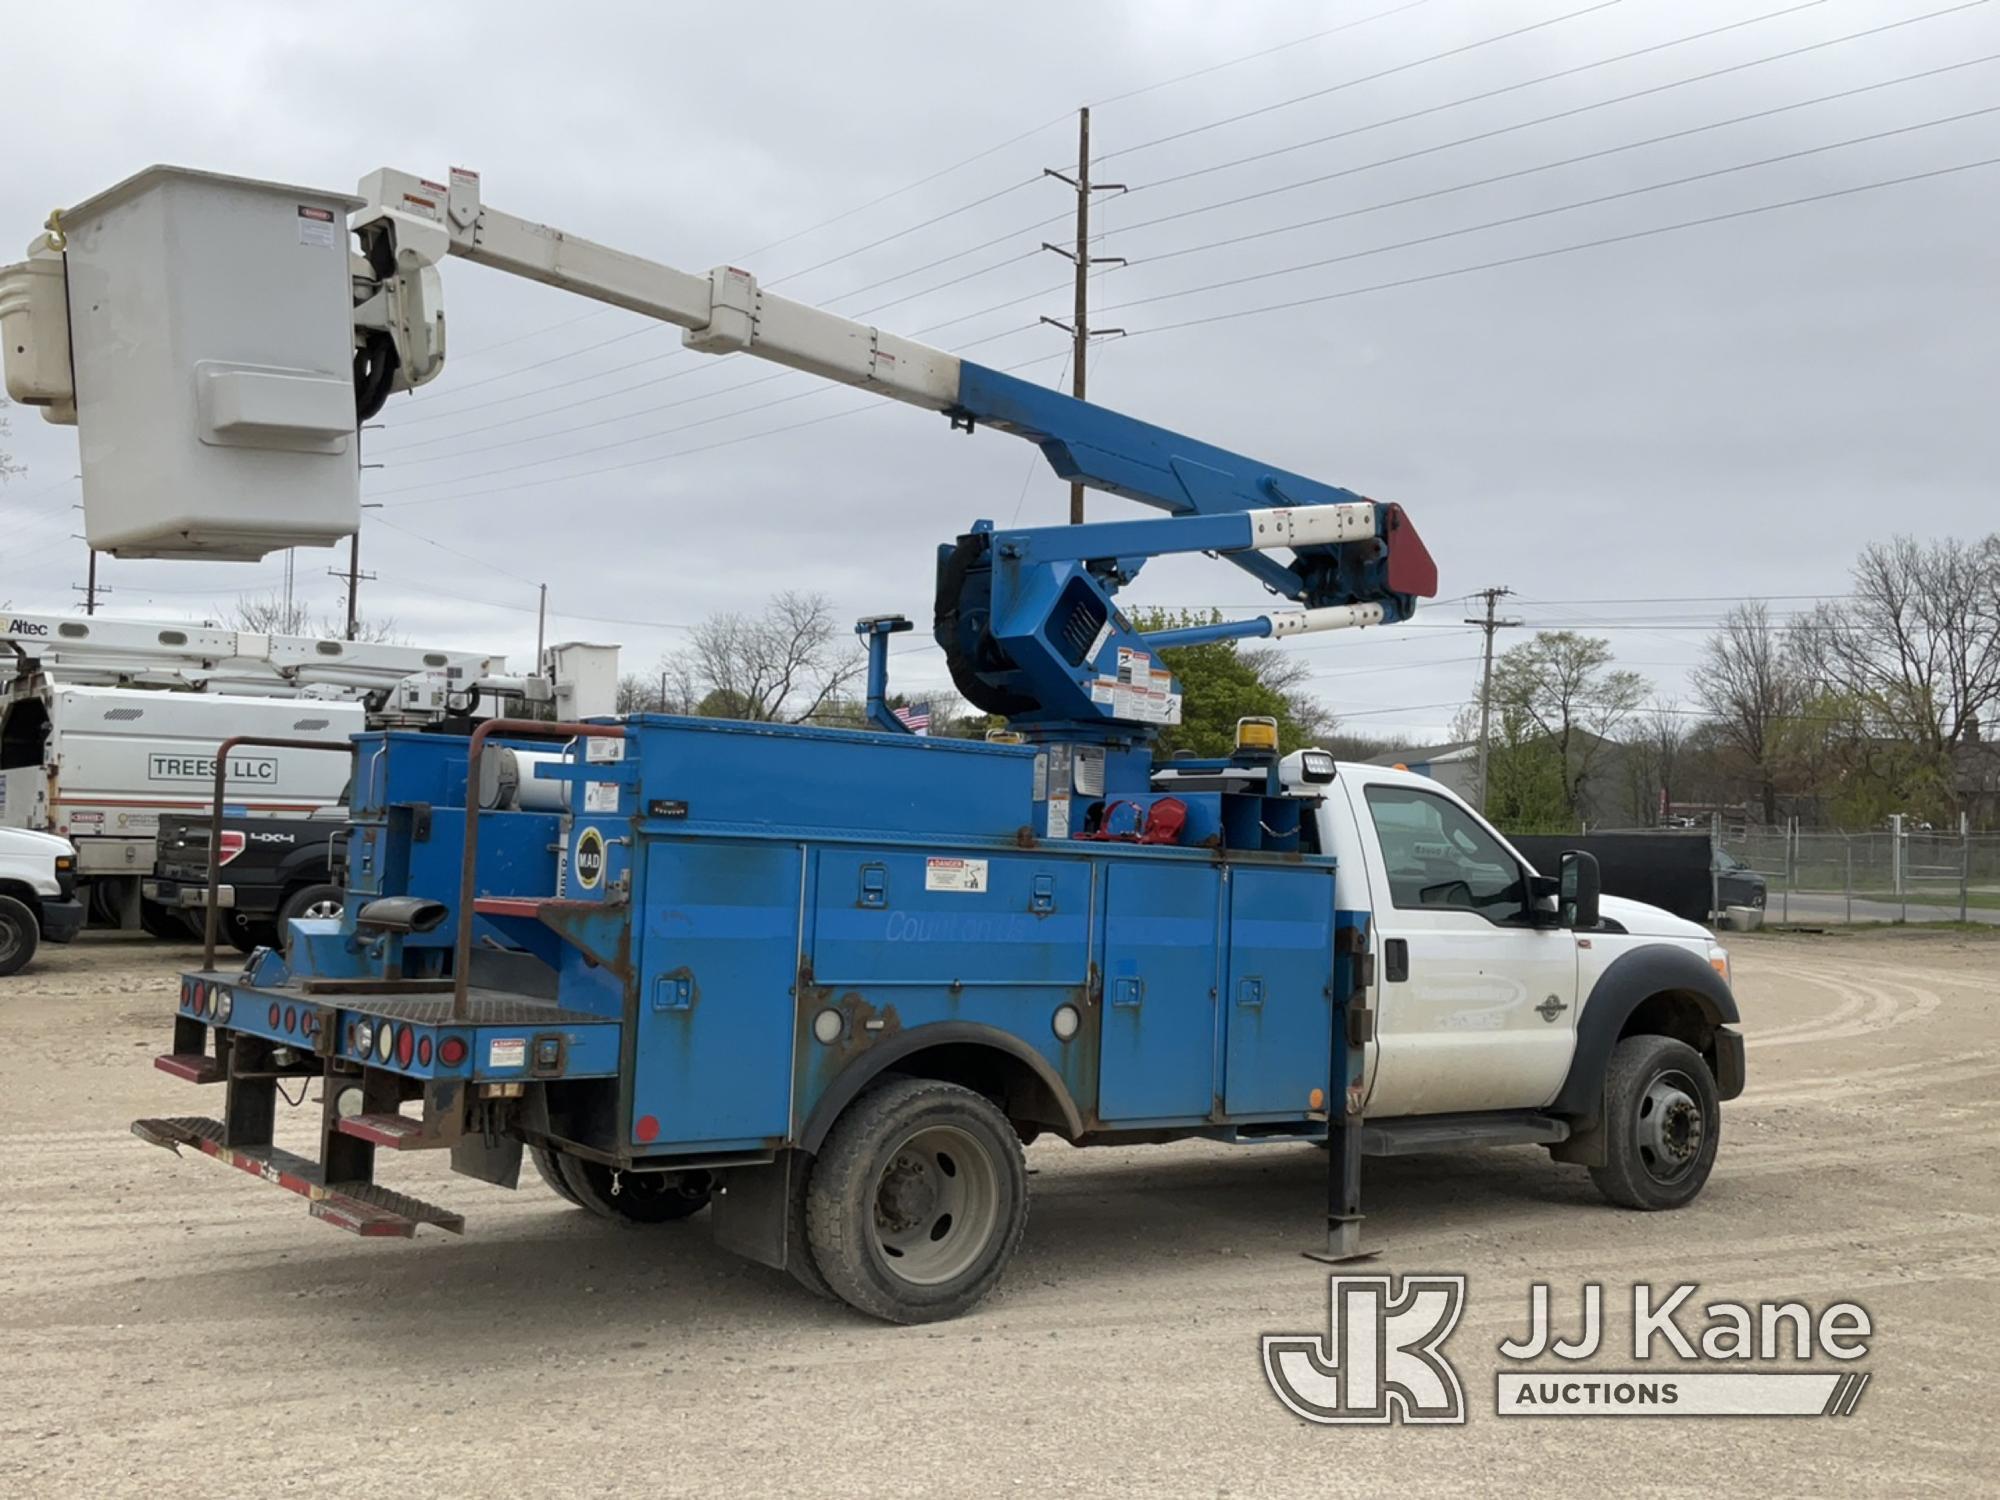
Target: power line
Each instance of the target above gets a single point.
(874, 403)
(1039, 224)
(1570, 161)
(1458, 51)
(1560, 208)
(1043, 223)
(1615, 239)
(1528, 83)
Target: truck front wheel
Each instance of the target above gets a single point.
(19, 935)
(917, 1201)
(1662, 1124)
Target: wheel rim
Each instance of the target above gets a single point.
(10, 940)
(1671, 1128)
(322, 909)
(937, 1203)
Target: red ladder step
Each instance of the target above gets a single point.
(362, 1208)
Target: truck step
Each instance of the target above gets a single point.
(1417, 1137)
(195, 1067)
(398, 1132)
(362, 1208)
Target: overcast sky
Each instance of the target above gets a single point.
(1692, 416)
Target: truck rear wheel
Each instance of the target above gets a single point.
(20, 934)
(917, 1201)
(549, 1167)
(164, 923)
(1662, 1124)
(634, 1197)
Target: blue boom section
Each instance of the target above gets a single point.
(1155, 465)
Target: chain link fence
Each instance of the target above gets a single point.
(1907, 875)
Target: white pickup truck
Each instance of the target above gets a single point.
(1504, 1008)
(37, 895)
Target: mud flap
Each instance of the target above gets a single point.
(750, 1213)
(497, 1161)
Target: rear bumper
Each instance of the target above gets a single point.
(189, 895)
(61, 920)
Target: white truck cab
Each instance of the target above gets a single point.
(37, 894)
(1504, 1006)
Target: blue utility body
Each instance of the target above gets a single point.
(899, 887)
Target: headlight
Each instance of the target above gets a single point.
(1718, 960)
(364, 1038)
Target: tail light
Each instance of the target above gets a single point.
(406, 1046)
(451, 1051)
(231, 846)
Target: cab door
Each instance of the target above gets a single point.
(1476, 1005)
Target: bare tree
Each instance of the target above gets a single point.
(1917, 647)
(8, 468)
(1656, 747)
(780, 666)
(1753, 689)
(271, 614)
(1291, 675)
(1562, 688)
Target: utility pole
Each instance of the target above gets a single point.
(1490, 624)
(541, 624)
(90, 590)
(1078, 328)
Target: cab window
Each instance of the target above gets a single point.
(1439, 856)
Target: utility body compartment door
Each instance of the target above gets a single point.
(1278, 993)
(1160, 982)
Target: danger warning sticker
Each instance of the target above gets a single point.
(317, 226)
(954, 874)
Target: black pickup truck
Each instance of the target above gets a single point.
(273, 869)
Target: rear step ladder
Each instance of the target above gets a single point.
(359, 1207)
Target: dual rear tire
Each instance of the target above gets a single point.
(909, 1213)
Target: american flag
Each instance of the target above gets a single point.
(916, 718)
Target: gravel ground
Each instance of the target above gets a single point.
(171, 1326)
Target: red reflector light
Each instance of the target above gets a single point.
(451, 1051)
(406, 1046)
(291, 1018)
(229, 848)
(273, 1015)
(424, 1052)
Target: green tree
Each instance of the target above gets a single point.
(1524, 780)
(1224, 681)
(1560, 687)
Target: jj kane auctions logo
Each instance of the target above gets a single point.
(1382, 1360)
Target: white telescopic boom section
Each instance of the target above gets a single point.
(1330, 617)
(723, 311)
(1307, 525)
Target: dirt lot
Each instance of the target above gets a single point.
(172, 1326)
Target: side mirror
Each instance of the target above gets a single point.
(1581, 886)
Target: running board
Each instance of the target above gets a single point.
(361, 1208)
(1427, 1133)
(195, 1067)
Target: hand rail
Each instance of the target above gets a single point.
(215, 819)
(526, 729)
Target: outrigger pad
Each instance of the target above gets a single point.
(359, 1207)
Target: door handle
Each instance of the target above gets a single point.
(1396, 960)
